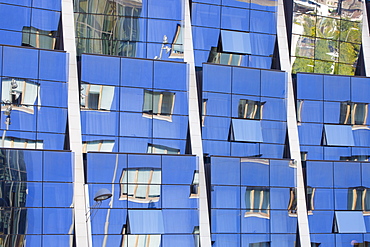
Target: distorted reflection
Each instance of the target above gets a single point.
(358, 199)
(14, 142)
(20, 94)
(161, 149)
(141, 241)
(257, 201)
(141, 185)
(177, 50)
(158, 105)
(98, 146)
(326, 36)
(96, 97)
(250, 109)
(194, 187)
(353, 113)
(38, 38)
(108, 27)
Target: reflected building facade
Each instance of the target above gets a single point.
(213, 123)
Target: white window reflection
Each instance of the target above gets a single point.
(98, 146)
(161, 149)
(359, 199)
(38, 38)
(292, 205)
(13, 142)
(96, 97)
(141, 240)
(158, 104)
(257, 201)
(141, 185)
(250, 109)
(353, 113)
(19, 93)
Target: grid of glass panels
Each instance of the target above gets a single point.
(253, 202)
(332, 112)
(243, 111)
(133, 105)
(339, 203)
(33, 115)
(133, 28)
(36, 204)
(154, 202)
(326, 36)
(234, 32)
(33, 23)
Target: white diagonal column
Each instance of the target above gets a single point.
(295, 151)
(74, 123)
(366, 41)
(195, 131)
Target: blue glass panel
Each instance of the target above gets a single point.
(178, 196)
(48, 95)
(20, 120)
(33, 162)
(272, 151)
(242, 78)
(337, 88)
(99, 123)
(255, 172)
(52, 119)
(111, 240)
(324, 240)
(236, 42)
(10, 38)
(225, 197)
(245, 149)
(118, 200)
(347, 174)
(313, 152)
(339, 135)
(20, 62)
(331, 112)
(273, 83)
(312, 111)
(225, 171)
(225, 221)
(206, 15)
(319, 174)
(348, 239)
(274, 109)
(280, 198)
(216, 78)
(133, 145)
(273, 132)
(64, 217)
(281, 222)
(218, 104)
(247, 130)
(178, 240)
(263, 22)
(105, 168)
(216, 128)
(361, 136)
(336, 153)
(1, 55)
(344, 199)
(175, 80)
(254, 225)
(58, 167)
(200, 57)
(282, 173)
(157, 29)
(180, 220)
(310, 134)
(33, 240)
(167, 9)
(321, 221)
(21, 137)
(143, 160)
(56, 240)
(359, 89)
(101, 70)
(178, 145)
(365, 173)
(350, 222)
(216, 147)
(222, 240)
(135, 125)
(267, 6)
(205, 38)
(176, 129)
(51, 4)
(153, 221)
(259, 62)
(310, 86)
(92, 143)
(53, 66)
(262, 44)
(50, 141)
(45, 20)
(57, 194)
(136, 72)
(235, 19)
(18, 2)
(250, 239)
(29, 194)
(14, 17)
(116, 218)
(178, 169)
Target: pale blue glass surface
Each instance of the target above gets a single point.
(262, 45)
(247, 130)
(116, 219)
(225, 171)
(33, 162)
(262, 22)
(101, 70)
(249, 239)
(56, 240)
(361, 137)
(310, 134)
(347, 174)
(51, 119)
(153, 218)
(216, 147)
(310, 86)
(136, 161)
(260, 62)
(57, 194)
(101, 167)
(158, 28)
(225, 221)
(135, 125)
(177, 129)
(321, 221)
(254, 225)
(320, 174)
(205, 38)
(180, 221)
(178, 240)
(45, 20)
(281, 222)
(18, 2)
(313, 111)
(50, 141)
(178, 169)
(64, 217)
(350, 222)
(313, 152)
(225, 197)
(279, 198)
(136, 72)
(14, 17)
(331, 112)
(271, 151)
(255, 172)
(169, 75)
(53, 66)
(273, 131)
(235, 19)
(133, 145)
(206, 15)
(336, 153)
(325, 240)
(339, 135)
(99, 123)
(359, 89)
(216, 128)
(230, 240)
(20, 62)
(51, 4)
(218, 104)
(177, 196)
(365, 173)
(282, 173)
(273, 83)
(236, 42)
(274, 109)
(343, 240)
(216, 78)
(34, 219)
(22, 120)
(57, 167)
(246, 81)
(337, 88)
(48, 95)
(167, 9)
(245, 149)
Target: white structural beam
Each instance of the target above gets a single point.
(295, 152)
(195, 131)
(366, 40)
(74, 123)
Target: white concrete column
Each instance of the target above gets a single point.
(74, 123)
(366, 41)
(295, 151)
(195, 131)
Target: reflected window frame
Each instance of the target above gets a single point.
(353, 113)
(292, 205)
(97, 146)
(225, 58)
(194, 187)
(177, 49)
(92, 97)
(356, 199)
(139, 240)
(161, 149)
(250, 109)
(264, 198)
(161, 99)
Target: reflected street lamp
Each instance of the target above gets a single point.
(100, 196)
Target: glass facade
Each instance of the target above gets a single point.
(172, 123)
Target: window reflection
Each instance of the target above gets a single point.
(250, 109)
(158, 104)
(38, 38)
(359, 199)
(257, 201)
(353, 113)
(98, 146)
(292, 206)
(194, 187)
(96, 97)
(14, 142)
(161, 149)
(224, 58)
(177, 50)
(141, 185)
(141, 240)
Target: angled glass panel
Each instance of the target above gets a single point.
(236, 42)
(247, 130)
(350, 222)
(339, 135)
